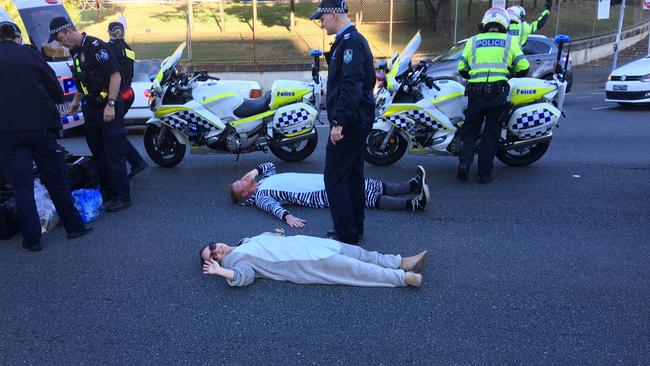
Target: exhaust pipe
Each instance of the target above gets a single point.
(526, 143)
(291, 140)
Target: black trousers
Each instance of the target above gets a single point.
(480, 108)
(345, 183)
(108, 143)
(17, 152)
(132, 155)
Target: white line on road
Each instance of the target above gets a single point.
(605, 107)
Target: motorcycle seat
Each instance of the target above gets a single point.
(251, 107)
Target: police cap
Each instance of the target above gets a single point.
(330, 6)
(9, 30)
(57, 25)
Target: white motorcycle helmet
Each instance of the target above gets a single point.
(517, 13)
(495, 16)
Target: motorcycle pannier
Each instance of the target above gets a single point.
(533, 120)
(294, 119)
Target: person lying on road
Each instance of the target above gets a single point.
(301, 189)
(308, 259)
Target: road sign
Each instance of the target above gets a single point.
(603, 9)
(499, 4)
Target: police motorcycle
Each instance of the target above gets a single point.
(196, 112)
(424, 115)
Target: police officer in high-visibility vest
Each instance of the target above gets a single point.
(126, 57)
(488, 60)
(520, 29)
(28, 122)
(97, 75)
(351, 111)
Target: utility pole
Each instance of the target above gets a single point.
(190, 21)
(618, 34)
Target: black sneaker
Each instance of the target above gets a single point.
(418, 181)
(419, 202)
(136, 169)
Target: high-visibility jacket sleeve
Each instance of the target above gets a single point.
(517, 62)
(463, 64)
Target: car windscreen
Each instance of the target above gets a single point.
(144, 70)
(451, 54)
(37, 24)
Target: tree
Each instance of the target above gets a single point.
(436, 12)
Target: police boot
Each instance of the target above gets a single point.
(463, 172)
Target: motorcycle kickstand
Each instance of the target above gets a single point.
(234, 165)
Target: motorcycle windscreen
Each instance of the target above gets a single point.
(400, 64)
(404, 59)
(170, 62)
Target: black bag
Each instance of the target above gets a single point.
(9, 224)
(82, 172)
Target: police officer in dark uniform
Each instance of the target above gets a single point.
(126, 57)
(488, 60)
(28, 125)
(97, 74)
(351, 111)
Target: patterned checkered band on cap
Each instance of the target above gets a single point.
(60, 29)
(332, 10)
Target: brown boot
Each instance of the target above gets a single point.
(413, 279)
(414, 263)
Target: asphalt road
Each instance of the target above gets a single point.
(546, 265)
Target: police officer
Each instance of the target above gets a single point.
(488, 60)
(351, 111)
(97, 74)
(29, 121)
(522, 30)
(126, 57)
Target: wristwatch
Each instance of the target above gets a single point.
(335, 123)
(110, 102)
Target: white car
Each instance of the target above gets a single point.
(145, 70)
(630, 84)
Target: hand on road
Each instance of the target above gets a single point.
(294, 221)
(211, 267)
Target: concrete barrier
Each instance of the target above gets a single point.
(584, 50)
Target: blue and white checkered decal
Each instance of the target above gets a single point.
(401, 122)
(534, 123)
(424, 117)
(294, 121)
(408, 124)
(191, 122)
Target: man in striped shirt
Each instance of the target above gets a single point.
(301, 189)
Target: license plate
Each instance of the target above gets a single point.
(620, 87)
(63, 108)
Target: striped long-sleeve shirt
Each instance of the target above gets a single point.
(299, 189)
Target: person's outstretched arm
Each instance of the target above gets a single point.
(242, 275)
(542, 18)
(266, 203)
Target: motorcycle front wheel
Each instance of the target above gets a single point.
(523, 156)
(163, 148)
(394, 150)
(297, 151)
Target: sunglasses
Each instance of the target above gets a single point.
(213, 251)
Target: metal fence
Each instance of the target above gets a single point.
(280, 32)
